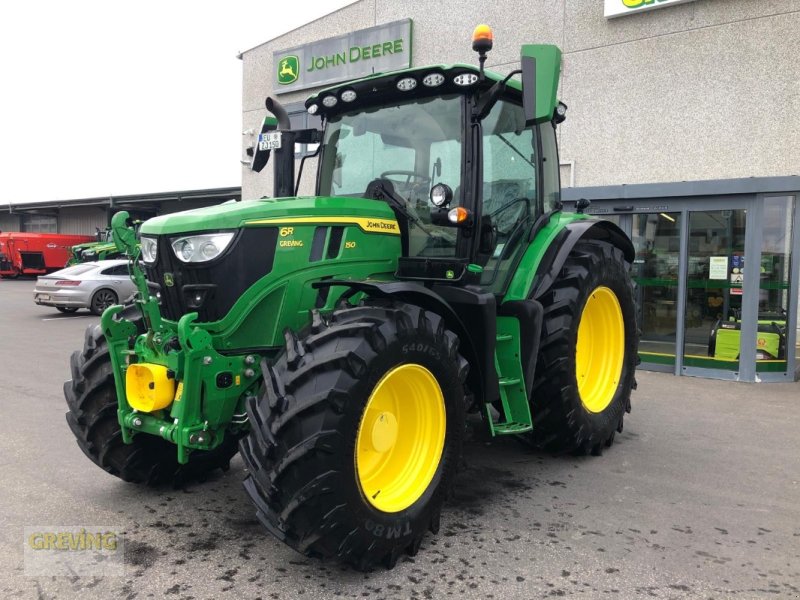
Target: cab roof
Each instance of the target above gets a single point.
(383, 88)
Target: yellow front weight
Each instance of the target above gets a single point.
(148, 387)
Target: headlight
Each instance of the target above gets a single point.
(441, 195)
(201, 248)
(149, 249)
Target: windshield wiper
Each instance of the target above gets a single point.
(380, 190)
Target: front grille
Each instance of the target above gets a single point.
(220, 282)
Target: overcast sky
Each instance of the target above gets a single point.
(107, 98)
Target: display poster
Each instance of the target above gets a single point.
(737, 275)
(718, 267)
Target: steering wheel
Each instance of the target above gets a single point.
(510, 221)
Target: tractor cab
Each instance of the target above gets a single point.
(461, 155)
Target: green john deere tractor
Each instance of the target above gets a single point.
(103, 249)
(338, 341)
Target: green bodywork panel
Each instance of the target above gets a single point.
(283, 297)
(239, 214)
(522, 280)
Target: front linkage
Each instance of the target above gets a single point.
(160, 374)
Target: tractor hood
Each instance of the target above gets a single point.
(272, 252)
(234, 215)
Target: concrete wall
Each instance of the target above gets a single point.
(704, 90)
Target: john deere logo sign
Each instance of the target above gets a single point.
(288, 69)
(364, 52)
(620, 8)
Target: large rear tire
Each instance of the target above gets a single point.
(92, 417)
(356, 436)
(588, 352)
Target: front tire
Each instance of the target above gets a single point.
(588, 352)
(92, 416)
(356, 436)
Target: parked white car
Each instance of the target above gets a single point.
(92, 285)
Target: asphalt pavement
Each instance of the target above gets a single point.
(698, 498)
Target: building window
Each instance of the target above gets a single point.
(40, 224)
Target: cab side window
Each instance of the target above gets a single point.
(552, 177)
(509, 187)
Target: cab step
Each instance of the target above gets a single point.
(515, 415)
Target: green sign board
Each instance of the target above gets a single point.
(357, 54)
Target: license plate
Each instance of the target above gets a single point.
(269, 141)
(43, 297)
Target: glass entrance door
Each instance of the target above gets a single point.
(714, 289)
(656, 238)
(773, 340)
(716, 283)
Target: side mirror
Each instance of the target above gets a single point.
(541, 69)
(529, 89)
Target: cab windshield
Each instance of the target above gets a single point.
(412, 146)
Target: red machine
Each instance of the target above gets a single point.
(35, 253)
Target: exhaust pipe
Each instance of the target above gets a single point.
(283, 167)
(276, 108)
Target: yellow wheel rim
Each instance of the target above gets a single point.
(400, 438)
(600, 349)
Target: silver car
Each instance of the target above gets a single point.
(92, 285)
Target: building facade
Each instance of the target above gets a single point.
(699, 90)
(682, 128)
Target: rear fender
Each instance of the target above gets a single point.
(556, 254)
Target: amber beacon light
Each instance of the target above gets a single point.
(481, 43)
(482, 38)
